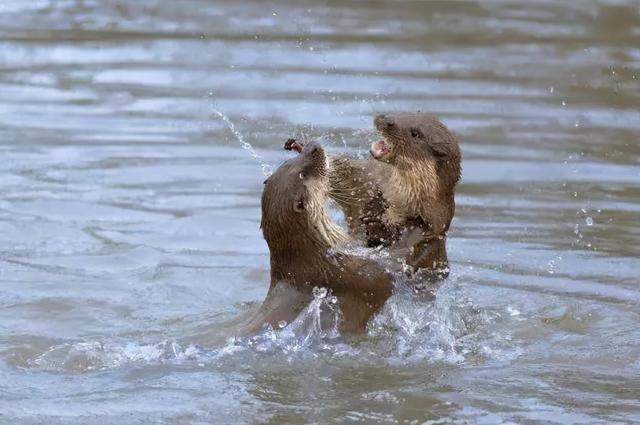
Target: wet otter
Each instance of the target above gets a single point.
(425, 169)
(405, 194)
(301, 238)
(354, 184)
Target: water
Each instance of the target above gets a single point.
(129, 216)
(267, 169)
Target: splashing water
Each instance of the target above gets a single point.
(267, 169)
(407, 330)
(315, 326)
(88, 356)
(310, 326)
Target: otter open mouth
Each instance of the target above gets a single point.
(381, 150)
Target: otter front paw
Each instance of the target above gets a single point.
(376, 232)
(293, 145)
(372, 218)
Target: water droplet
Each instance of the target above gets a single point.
(589, 221)
(282, 324)
(551, 89)
(319, 292)
(267, 170)
(564, 103)
(275, 13)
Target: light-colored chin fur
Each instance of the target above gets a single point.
(326, 231)
(412, 181)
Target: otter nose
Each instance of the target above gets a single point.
(383, 121)
(313, 148)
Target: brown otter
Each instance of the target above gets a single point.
(406, 197)
(301, 239)
(354, 185)
(425, 168)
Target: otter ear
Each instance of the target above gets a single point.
(440, 150)
(299, 205)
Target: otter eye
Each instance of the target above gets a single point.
(416, 133)
(299, 206)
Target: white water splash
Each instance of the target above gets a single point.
(97, 355)
(318, 321)
(267, 169)
(315, 326)
(409, 329)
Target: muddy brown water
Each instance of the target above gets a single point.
(129, 210)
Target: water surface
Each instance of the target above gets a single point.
(129, 211)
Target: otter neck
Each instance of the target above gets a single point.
(304, 254)
(414, 180)
(300, 266)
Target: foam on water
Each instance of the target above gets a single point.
(411, 328)
(98, 355)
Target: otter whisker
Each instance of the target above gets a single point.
(350, 193)
(345, 200)
(350, 201)
(347, 192)
(344, 188)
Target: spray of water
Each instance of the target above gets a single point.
(267, 169)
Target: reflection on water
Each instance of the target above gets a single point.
(129, 215)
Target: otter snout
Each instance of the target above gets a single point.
(314, 159)
(384, 122)
(382, 150)
(313, 148)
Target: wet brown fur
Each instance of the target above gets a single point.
(409, 197)
(301, 239)
(426, 166)
(354, 185)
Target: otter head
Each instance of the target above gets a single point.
(294, 216)
(411, 138)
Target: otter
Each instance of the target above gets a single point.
(354, 185)
(425, 164)
(302, 239)
(405, 192)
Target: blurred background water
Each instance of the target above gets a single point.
(129, 211)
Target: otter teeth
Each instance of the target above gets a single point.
(380, 149)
